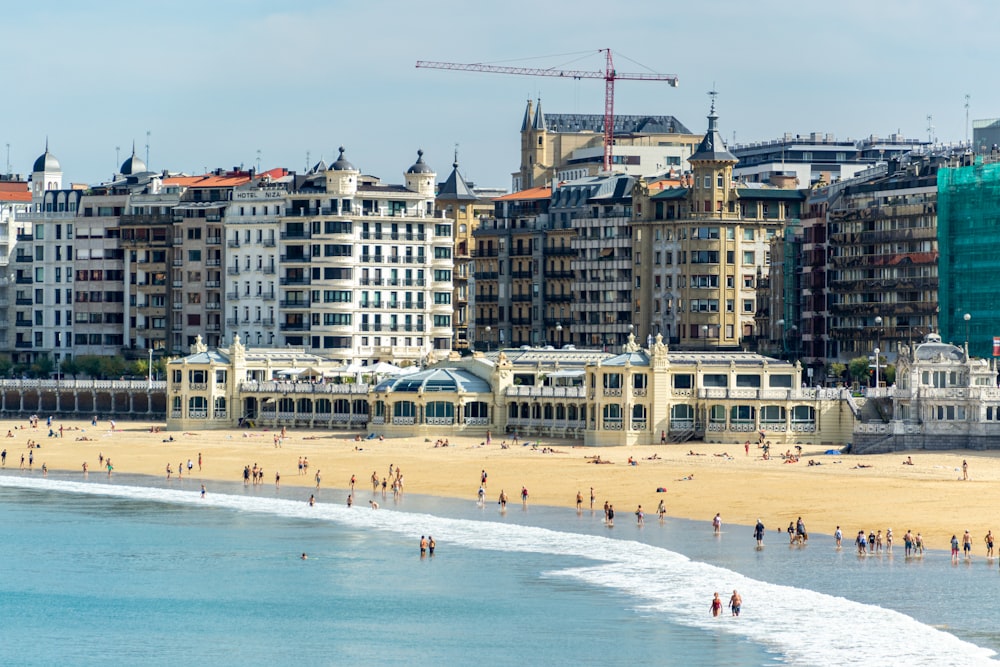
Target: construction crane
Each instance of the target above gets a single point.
(610, 75)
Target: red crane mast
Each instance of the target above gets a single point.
(610, 75)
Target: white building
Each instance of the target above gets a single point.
(251, 228)
(366, 267)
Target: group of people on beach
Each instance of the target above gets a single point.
(735, 603)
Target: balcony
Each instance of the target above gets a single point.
(268, 270)
(25, 238)
(558, 298)
(267, 296)
(178, 262)
(304, 257)
(213, 328)
(231, 322)
(487, 275)
(233, 270)
(24, 301)
(213, 262)
(293, 235)
(23, 344)
(213, 284)
(561, 250)
(294, 303)
(267, 322)
(487, 298)
(295, 280)
(23, 323)
(232, 296)
(233, 243)
(213, 240)
(521, 297)
(486, 252)
(269, 243)
(23, 280)
(213, 305)
(522, 274)
(295, 326)
(24, 258)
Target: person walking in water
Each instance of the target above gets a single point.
(735, 602)
(640, 516)
(716, 605)
(717, 523)
(758, 533)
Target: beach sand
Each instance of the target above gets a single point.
(928, 497)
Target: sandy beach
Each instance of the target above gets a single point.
(929, 496)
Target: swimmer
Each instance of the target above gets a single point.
(202, 490)
(312, 500)
(735, 602)
(373, 504)
(431, 544)
(304, 556)
(716, 605)
(423, 546)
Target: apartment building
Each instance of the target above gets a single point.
(251, 247)
(15, 202)
(366, 267)
(565, 147)
(698, 249)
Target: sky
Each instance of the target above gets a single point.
(226, 83)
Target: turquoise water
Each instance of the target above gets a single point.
(140, 571)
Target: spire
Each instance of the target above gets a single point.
(525, 124)
(455, 188)
(713, 147)
(539, 121)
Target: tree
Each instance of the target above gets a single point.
(89, 365)
(858, 368)
(42, 368)
(889, 376)
(836, 370)
(6, 366)
(112, 367)
(69, 366)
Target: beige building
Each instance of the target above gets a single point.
(698, 250)
(466, 209)
(638, 397)
(562, 147)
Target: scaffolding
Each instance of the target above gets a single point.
(969, 245)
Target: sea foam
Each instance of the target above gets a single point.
(803, 626)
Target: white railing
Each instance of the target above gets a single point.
(404, 421)
(639, 392)
(803, 427)
(477, 421)
(198, 386)
(612, 392)
(198, 414)
(638, 425)
(439, 421)
(681, 425)
(717, 426)
(610, 425)
(275, 387)
(221, 414)
(378, 421)
(84, 385)
(176, 414)
(743, 428)
(546, 392)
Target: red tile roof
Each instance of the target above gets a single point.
(530, 193)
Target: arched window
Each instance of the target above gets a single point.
(439, 413)
(612, 417)
(198, 407)
(638, 418)
(219, 409)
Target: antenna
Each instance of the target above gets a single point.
(118, 156)
(148, 133)
(930, 129)
(967, 98)
(713, 94)
(456, 152)
(8, 157)
(258, 160)
(307, 162)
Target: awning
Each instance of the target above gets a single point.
(567, 373)
(289, 372)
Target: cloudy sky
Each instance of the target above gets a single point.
(219, 83)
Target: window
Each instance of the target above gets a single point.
(747, 281)
(748, 234)
(749, 257)
(194, 255)
(442, 275)
(442, 253)
(194, 233)
(747, 305)
(442, 320)
(442, 297)
(704, 256)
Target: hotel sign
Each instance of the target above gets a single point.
(243, 195)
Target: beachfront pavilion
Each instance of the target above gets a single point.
(639, 397)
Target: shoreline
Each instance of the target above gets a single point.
(927, 497)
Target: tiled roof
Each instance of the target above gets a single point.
(530, 193)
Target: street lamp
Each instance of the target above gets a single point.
(784, 343)
(149, 370)
(489, 332)
(559, 334)
(704, 336)
(878, 331)
(966, 317)
(877, 364)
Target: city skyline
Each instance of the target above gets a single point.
(247, 82)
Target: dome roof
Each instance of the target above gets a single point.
(420, 167)
(319, 167)
(46, 161)
(342, 164)
(437, 379)
(133, 165)
(937, 351)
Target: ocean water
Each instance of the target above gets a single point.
(137, 570)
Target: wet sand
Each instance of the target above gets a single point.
(929, 496)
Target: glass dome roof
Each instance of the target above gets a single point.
(436, 379)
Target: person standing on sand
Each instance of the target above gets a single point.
(965, 470)
(888, 540)
(199, 461)
(746, 447)
(735, 602)
(579, 501)
(716, 605)
(277, 479)
(353, 480)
